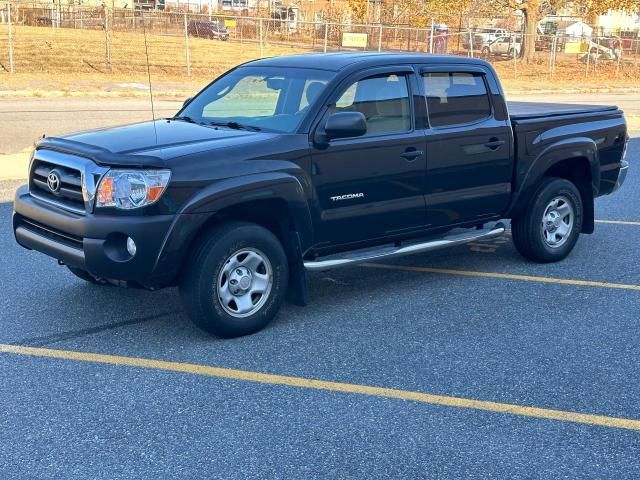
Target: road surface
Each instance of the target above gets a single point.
(449, 331)
(23, 120)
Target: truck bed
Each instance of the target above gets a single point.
(530, 110)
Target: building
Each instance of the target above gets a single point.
(616, 21)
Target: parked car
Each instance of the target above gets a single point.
(305, 163)
(212, 30)
(483, 36)
(503, 46)
(491, 34)
(548, 42)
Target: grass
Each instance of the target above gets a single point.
(76, 60)
(69, 62)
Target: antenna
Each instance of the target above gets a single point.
(146, 52)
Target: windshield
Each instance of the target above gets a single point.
(268, 98)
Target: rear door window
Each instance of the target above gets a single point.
(456, 98)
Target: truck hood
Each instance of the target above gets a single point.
(136, 144)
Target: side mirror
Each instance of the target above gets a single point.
(186, 102)
(345, 124)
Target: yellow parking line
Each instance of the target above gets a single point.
(300, 382)
(618, 222)
(507, 276)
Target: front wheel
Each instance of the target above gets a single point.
(236, 280)
(549, 228)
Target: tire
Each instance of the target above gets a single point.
(211, 298)
(86, 276)
(549, 228)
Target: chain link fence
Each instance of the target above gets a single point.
(75, 40)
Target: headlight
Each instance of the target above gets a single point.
(127, 189)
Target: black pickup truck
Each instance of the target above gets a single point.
(311, 162)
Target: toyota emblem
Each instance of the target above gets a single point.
(53, 182)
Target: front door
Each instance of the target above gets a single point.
(372, 186)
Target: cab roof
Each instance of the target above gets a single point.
(340, 60)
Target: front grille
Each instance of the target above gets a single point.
(68, 190)
(56, 235)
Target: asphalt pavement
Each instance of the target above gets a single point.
(477, 323)
(29, 118)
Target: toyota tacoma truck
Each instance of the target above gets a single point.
(310, 162)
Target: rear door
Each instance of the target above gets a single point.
(469, 142)
(372, 186)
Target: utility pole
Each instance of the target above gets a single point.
(107, 40)
(186, 45)
(261, 47)
(326, 35)
(10, 39)
(431, 37)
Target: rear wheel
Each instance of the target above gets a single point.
(551, 225)
(236, 280)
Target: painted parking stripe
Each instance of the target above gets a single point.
(618, 222)
(506, 276)
(307, 383)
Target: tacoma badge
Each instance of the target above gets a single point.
(347, 196)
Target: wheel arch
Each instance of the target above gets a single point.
(577, 170)
(276, 201)
(573, 159)
(273, 213)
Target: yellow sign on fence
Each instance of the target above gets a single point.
(358, 40)
(230, 22)
(573, 47)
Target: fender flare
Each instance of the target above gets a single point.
(570, 149)
(226, 193)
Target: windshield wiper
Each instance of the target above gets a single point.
(235, 125)
(184, 119)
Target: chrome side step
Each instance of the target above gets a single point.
(352, 258)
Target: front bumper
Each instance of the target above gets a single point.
(95, 243)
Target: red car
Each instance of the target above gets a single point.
(212, 30)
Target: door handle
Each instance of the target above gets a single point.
(494, 143)
(411, 154)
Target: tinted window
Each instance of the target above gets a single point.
(455, 98)
(384, 101)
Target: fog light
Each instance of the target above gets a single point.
(131, 246)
